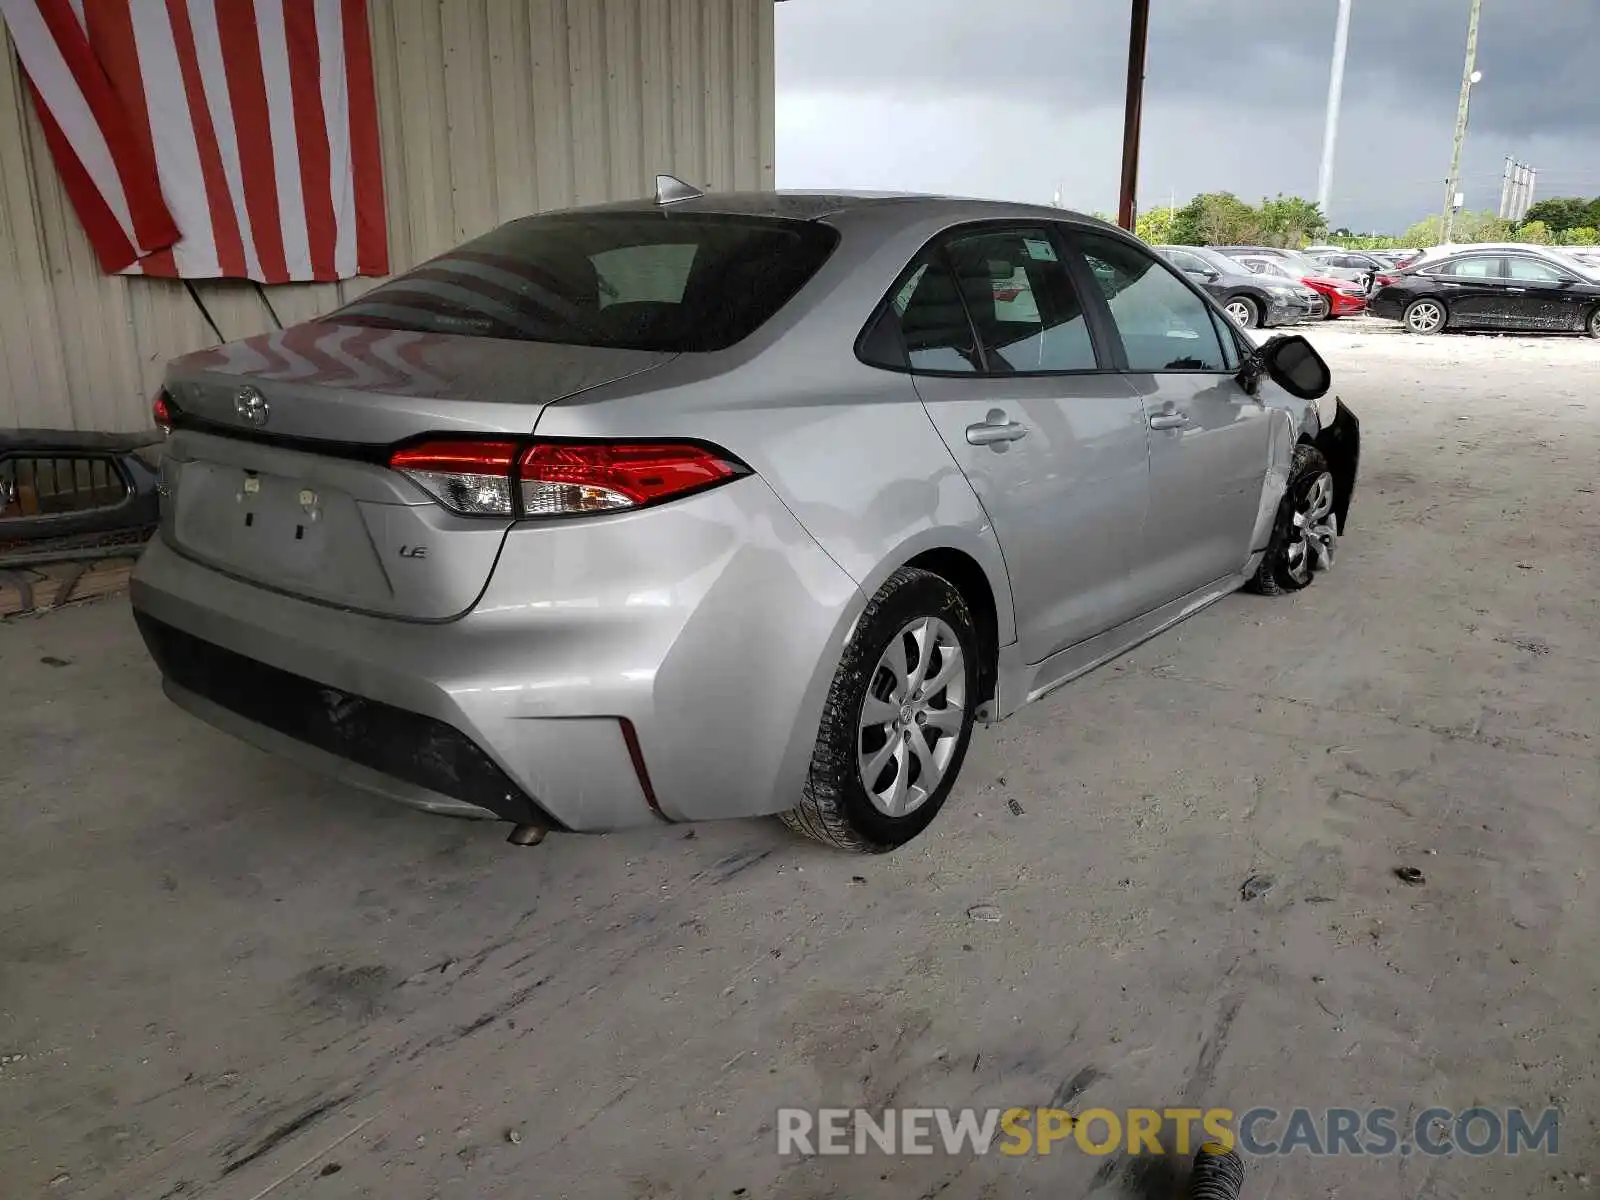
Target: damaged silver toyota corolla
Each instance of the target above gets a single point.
(716, 506)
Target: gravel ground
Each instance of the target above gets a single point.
(221, 976)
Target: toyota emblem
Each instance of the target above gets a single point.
(251, 406)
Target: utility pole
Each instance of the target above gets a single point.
(1469, 76)
(1330, 128)
(1527, 194)
(1138, 36)
(1505, 187)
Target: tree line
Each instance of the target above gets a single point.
(1222, 219)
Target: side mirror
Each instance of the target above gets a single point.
(1293, 364)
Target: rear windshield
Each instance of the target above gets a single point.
(677, 282)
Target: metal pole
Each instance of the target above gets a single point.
(1505, 189)
(1461, 122)
(1330, 128)
(1138, 35)
(1527, 195)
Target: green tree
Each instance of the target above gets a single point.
(1291, 221)
(1215, 219)
(1561, 213)
(1426, 232)
(1155, 226)
(1583, 235)
(1536, 232)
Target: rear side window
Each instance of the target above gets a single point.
(1470, 268)
(678, 282)
(1163, 324)
(996, 301)
(1028, 315)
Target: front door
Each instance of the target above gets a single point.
(1209, 439)
(1051, 440)
(1543, 296)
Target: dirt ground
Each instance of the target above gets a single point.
(221, 976)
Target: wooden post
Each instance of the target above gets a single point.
(1138, 35)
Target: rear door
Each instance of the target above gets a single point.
(1473, 290)
(1208, 437)
(1045, 430)
(1543, 295)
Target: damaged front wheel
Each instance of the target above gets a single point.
(1306, 528)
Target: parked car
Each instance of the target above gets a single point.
(1478, 289)
(1340, 297)
(1253, 301)
(721, 506)
(1295, 257)
(1360, 261)
(1562, 256)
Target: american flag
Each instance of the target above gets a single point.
(212, 138)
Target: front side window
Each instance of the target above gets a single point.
(672, 281)
(1164, 325)
(1532, 270)
(1028, 316)
(1188, 262)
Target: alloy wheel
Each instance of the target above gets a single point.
(1241, 312)
(912, 716)
(1310, 546)
(1425, 316)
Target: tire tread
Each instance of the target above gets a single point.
(821, 814)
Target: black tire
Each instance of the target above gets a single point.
(834, 807)
(1415, 306)
(1276, 575)
(1592, 325)
(1249, 308)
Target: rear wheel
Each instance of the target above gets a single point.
(1243, 312)
(1426, 315)
(1305, 530)
(1592, 327)
(898, 719)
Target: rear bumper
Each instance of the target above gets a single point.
(617, 670)
(1388, 307)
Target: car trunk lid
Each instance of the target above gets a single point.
(277, 472)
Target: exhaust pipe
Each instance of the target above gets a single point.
(1218, 1174)
(526, 835)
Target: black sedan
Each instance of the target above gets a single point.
(1489, 290)
(1253, 301)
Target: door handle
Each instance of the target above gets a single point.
(1516, 291)
(994, 430)
(1169, 420)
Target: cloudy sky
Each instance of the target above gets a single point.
(1016, 98)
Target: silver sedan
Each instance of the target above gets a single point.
(721, 505)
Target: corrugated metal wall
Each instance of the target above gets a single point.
(490, 109)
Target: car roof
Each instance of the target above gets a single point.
(816, 205)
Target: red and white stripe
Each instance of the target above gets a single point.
(213, 138)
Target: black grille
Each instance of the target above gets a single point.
(405, 745)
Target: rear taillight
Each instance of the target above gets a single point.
(470, 478)
(584, 477)
(161, 411)
(551, 479)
